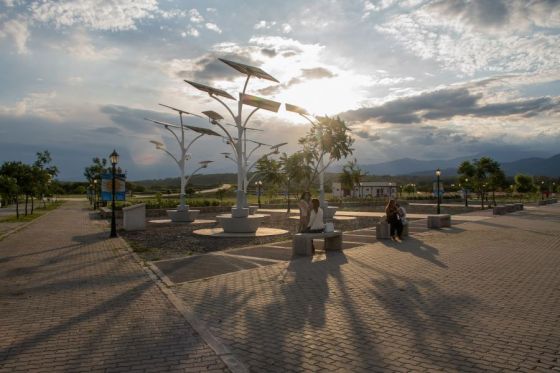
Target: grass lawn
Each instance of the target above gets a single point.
(38, 211)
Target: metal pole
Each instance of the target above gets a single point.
(259, 193)
(288, 195)
(438, 201)
(113, 221)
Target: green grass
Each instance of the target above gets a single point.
(38, 211)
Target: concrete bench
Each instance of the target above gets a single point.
(134, 217)
(105, 212)
(383, 230)
(439, 221)
(303, 242)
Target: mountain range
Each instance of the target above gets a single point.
(535, 166)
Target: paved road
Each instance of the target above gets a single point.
(72, 300)
(481, 296)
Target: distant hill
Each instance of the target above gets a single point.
(414, 167)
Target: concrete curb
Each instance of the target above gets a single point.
(233, 363)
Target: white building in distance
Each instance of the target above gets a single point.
(367, 189)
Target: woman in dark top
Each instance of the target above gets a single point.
(393, 219)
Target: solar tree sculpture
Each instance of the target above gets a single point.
(239, 221)
(182, 213)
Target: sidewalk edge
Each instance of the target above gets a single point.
(233, 363)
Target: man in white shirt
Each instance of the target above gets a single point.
(316, 224)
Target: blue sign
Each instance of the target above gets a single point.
(107, 187)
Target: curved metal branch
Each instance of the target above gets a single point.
(190, 143)
(171, 155)
(249, 117)
(227, 107)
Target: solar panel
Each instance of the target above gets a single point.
(157, 143)
(163, 123)
(278, 145)
(180, 111)
(204, 131)
(249, 70)
(210, 90)
(205, 163)
(296, 109)
(212, 115)
(261, 103)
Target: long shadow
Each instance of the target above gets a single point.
(116, 302)
(430, 314)
(417, 248)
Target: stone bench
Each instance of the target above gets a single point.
(439, 221)
(543, 202)
(134, 217)
(105, 212)
(303, 242)
(383, 230)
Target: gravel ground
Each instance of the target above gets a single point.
(166, 241)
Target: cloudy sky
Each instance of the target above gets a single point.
(422, 79)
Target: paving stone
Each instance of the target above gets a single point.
(73, 300)
(481, 296)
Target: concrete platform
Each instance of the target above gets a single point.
(336, 217)
(219, 232)
(168, 221)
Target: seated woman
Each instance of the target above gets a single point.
(316, 224)
(393, 218)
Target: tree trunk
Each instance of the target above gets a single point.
(26, 201)
(32, 204)
(482, 199)
(17, 207)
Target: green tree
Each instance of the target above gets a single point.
(351, 176)
(483, 175)
(16, 171)
(524, 183)
(8, 188)
(94, 172)
(328, 140)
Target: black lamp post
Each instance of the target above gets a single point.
(95, 194)
(288, 193)
(438, 173)
(114, 156)
(466, 193)
(259, 185)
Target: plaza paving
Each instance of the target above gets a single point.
(72, 300)
(483, 295)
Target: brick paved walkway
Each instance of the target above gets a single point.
(72, 300)
(481, 296)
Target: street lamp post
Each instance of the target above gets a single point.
(114, 156)
(259, 188)
(438, 173)
(95, 194)
(466, 193)
(542, 190)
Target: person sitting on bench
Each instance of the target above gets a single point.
(316, 224)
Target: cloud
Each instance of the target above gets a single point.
(445, 104)
(195, 16)
(80, 45)
(191, 31)
(306, 74)
(269, 52)
(286, 28)
(105, 15)
(17, 30)
(213, 27)
(38, 104)
(488, 36)
(499, 15)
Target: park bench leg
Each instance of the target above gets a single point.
(302, 246)
(333, 243)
